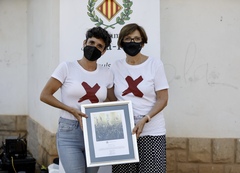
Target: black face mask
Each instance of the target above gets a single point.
(132, 48)
(91, 53)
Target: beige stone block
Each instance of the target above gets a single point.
(21, 124)
(182, 155)
(171, 162)
(223, 150)
(199, 150)
(211, 168)
(41, 134)
(187, 168)
(176, 143)
(42, 143)
(7, 123)
(33, 143)
(40, 154)
(44, 157)
(47, 140)
(33, 146)
(232, 168)
(32, 128)
(49, 143)
(238, 151)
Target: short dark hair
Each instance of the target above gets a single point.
(99, 33)
(128, 29)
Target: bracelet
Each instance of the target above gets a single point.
(148, 118)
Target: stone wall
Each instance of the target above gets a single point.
(12, 126)
(203, 155)
(184, 155)
(40, 142)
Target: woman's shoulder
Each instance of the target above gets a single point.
(70, 62)
(155, 60)
(118, 62)
(67, 63)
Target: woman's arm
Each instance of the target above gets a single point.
(110, 95)
(47, 97)
(161, 103)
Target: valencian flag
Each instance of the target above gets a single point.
(109, 8)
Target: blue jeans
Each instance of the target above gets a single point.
(71, 150)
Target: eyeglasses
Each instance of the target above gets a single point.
(135, 39)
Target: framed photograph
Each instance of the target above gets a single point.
(108, 134)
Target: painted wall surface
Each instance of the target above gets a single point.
(200, 43)
(199, 47)
(43, 57)
(13, 57)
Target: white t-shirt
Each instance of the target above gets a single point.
(138, 83)
(80, 86)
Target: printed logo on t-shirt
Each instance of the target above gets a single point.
(90, 93)
(132, 86)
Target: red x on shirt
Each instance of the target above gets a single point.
(90, 93)
(132, 86)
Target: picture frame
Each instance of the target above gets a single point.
(108, 134)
